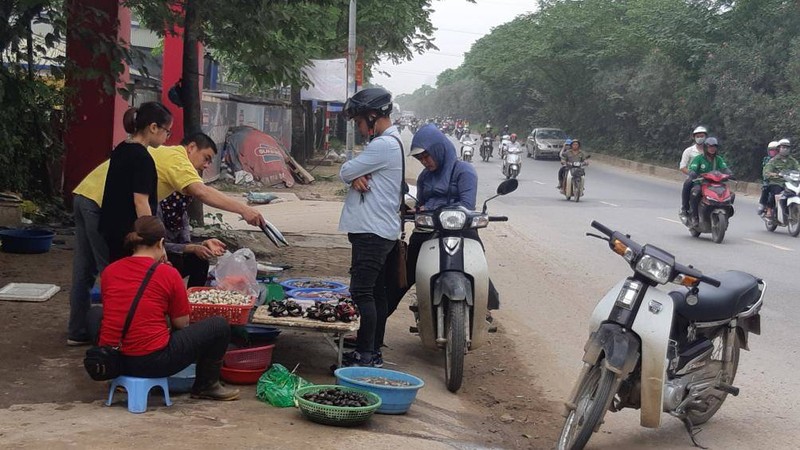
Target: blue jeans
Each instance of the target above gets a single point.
(368, 288)
(88, 260)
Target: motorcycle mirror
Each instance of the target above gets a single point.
(507, 186)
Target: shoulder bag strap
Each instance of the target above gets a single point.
(402, 182)
(136, 299)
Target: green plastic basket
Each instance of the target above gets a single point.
(336, 415)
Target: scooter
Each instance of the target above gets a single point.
(505, 142)
(715, 207)
(788, 215)
(512, 163)
(486, 148)
(452, 280)
(467, 149)
(574, 179)
(657, 351)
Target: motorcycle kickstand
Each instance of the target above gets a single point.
(692, 434)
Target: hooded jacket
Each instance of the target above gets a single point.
(453, 182)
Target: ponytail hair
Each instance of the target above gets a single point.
(137, 119)
(147, 232)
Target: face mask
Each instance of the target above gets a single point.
(772, 153)
(699, 140)
(784, 151)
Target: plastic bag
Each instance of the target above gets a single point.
(237, 272)
(277, 386)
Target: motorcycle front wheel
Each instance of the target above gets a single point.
(456, 333)
(576, 188)
(590, 407)
(719, 224)
(715, 399)
(794, 220)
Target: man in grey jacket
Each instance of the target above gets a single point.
(370, 217)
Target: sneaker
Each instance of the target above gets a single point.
(78, 342)
(377, 359)
(354, 359)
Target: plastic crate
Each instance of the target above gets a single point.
(234, 314)
(249, 358)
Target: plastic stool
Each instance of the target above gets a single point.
(138, 391)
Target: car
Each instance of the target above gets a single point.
(545, 143)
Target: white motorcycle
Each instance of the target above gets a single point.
(512, 163)
(657, 351)
(574, 179)
(467, 149)
(505, 142)
(787, 215)
(452, 280)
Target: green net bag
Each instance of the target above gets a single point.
(277, 386)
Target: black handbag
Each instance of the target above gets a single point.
(105, 362)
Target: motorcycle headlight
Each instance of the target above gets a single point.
(654, 268)
(423, 220)
(452, 220)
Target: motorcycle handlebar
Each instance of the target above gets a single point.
(602, 228)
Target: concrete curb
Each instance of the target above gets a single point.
(743, 187)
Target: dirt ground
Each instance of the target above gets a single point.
(500, 405)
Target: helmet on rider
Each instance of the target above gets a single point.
(784, 146)
(701, 130)
(568, 142)
(711, 143)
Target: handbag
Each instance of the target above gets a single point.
(105, 362)
(396, 271)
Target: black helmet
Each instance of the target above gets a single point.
(370, 99)
(710, 142)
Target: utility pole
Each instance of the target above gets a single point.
(351, 74)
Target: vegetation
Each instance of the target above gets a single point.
(633, 77)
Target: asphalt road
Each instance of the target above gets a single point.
(550, 277)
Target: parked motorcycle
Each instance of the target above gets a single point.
(505, 142)
(453, 283)
(512, 163)
(715, 207)
(675, 352)
(486, 148)
(467, 149)
(574, 179)
(788, 215)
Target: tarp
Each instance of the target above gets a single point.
(328, 80)
(258, 154)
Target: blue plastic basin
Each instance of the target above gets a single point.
(395, 399)
(26, 241)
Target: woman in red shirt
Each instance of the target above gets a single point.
(150, 349)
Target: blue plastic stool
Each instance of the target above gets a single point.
(138, 391)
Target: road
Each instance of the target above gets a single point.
(551, 276)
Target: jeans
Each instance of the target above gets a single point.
(773, 190)
(368, 288)
(694, 200)
(204, 343)
(192, 266)
(414, 246)
(89, 259)
(685, 193)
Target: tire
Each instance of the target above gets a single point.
(576, 188)
(771, 225)
(456, 332)
(699, 418)
(593, 396)
(719, 224)
(535, 154)
(794, 220)
(694, 232)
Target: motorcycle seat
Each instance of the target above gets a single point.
(737, 291)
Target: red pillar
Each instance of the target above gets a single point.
(171, 72)
(94, 126)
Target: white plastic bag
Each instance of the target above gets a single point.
(237, 272)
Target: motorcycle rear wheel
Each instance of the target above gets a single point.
(715, 401)
(590, 408)
(456, 348)
(794, 220)
(719, 223)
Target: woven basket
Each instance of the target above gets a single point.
(336, 415)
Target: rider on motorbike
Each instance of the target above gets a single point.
(513, 138)
(691, 152)
(772, 150)
(709, 161)
(572, 154)
(782, 162)
(505, 130)
(445, 181)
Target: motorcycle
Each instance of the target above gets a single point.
(574, 179)
(788, 216)
(658, 351)
(413, 128)
(453, 283)
(505, 142)
(715, 207)
(512, 163)
(459, 132)
(467, 149)
(486, 148)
